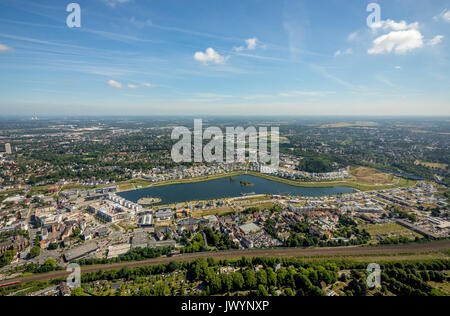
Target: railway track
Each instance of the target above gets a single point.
(279, 253)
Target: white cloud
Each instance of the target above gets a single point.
(251, 44)
(445, 16)
(352, 36)
(436, 40)
(398, 67)
(348, 51)
(113, 3)
(394, 26)
(148, 85)
(141, 24)
(132, 86)
(4, 48)
(400, 41)
(115, 84)
(211, 56)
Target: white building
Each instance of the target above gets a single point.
(8, 148)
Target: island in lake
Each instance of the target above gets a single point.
(149, 201)
(246, 183)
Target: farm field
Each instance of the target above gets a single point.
(442, 166)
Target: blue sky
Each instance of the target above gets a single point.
(248, 57)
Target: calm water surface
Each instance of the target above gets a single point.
(225, 188)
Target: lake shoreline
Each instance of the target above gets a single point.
(354, 185)
(220, 188)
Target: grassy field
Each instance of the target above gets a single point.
(444, 287)
(355, 182)
(388, 230)
(381, 258)
(261, 204)
(132, 184)
(442, 166)
(217, 211)
(384, 228)
(256, 199)
(372, 176)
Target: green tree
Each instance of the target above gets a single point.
(7, 257)
(35, 252)
(50, 262)
(262, 291)
(78, 292)
(227, 282)
(250, 279)
(288, 292)
(238, 281)
(271, 277)
(53, 246)
(261, 277)
(316, 165)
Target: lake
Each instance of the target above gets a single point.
(225, 188)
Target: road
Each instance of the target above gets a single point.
(278, 253)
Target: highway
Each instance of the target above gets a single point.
(268, 253)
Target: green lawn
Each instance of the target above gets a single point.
(389, 229)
